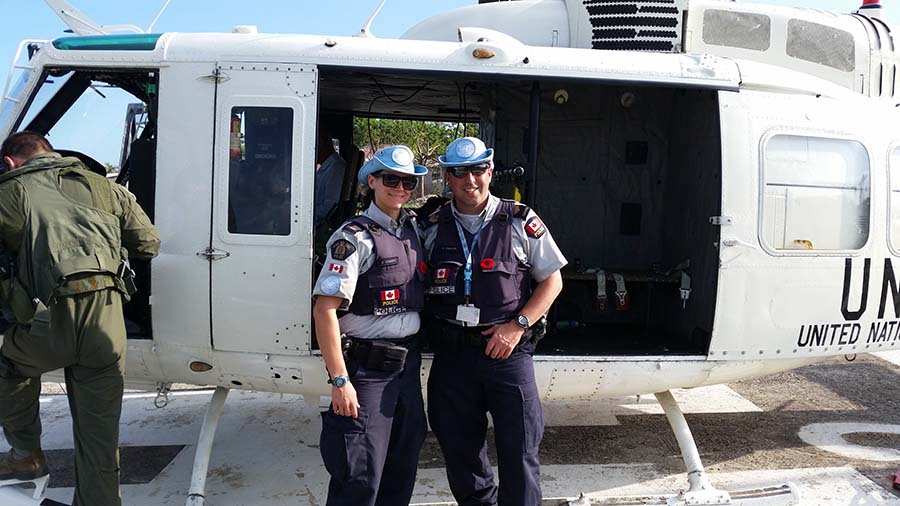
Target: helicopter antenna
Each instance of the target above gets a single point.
(81, 24)
(158, 14)
(365, 30)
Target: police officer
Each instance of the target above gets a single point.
(484, 253)
(66, 234)
(371, 290)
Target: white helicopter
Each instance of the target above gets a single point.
(723, 177)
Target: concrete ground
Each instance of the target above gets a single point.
(833, 429)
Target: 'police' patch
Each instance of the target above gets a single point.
(330, 285)
(352, 227)
(534, 228)
(342, 249)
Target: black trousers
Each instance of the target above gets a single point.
(463, 387)
(373, 459)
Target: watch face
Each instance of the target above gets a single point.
(522, 320)
(339, 381)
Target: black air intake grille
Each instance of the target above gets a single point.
(635, 25)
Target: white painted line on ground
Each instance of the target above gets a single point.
(829, 437)
(891, 356)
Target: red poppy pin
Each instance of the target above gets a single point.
(423, 267)
(487, 263)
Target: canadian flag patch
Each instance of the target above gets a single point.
(534, 227)
(389, 295)
(336, 268)
(440, 273)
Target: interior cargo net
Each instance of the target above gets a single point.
(637, 25)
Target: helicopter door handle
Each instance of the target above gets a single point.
(213, 254)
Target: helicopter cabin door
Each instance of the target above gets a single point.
(801, 251)
(262, 215)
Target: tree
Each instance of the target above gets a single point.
(427, 139)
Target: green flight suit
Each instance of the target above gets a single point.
(86, 333)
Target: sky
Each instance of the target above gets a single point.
(33, 19)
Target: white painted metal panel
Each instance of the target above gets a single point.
(183, 195)
(791, 303)
(260, 291)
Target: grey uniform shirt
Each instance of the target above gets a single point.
(542, 253)
(338, 279)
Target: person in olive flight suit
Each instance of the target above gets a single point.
(368, 298)
(483, 253)
(65, 234)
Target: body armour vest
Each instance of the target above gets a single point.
(396, 281)
(501, 284)
(64, 237)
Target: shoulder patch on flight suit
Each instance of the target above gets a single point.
(521, 211)
(342, 249)
(535, 228)
(353, 227)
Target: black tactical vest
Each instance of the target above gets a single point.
(501, 284)
(396, 281)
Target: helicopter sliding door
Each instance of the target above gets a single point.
(262, 214)
(802, 250)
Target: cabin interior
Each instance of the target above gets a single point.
(625, 176)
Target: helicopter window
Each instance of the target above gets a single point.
(259, 186)
(83, 112)
(895, 199)
(737, 29)
(821, 44)
(817, 193)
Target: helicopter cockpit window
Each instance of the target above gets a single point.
(84, 112)
(259, 181)
(816, 193)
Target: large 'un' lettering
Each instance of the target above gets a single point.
(848, 274)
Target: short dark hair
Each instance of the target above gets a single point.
(25, 145)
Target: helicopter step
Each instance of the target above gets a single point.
(14, 493)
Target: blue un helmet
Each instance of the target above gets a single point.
(466, 151)
(397, 158)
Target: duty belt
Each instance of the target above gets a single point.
(451, 337)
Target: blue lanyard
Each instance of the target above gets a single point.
(467, 250)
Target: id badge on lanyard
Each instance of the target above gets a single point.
(468, 313)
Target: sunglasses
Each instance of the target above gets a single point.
(393, 181)
(475, 170)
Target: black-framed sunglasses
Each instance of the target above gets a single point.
(475, 170)
(393, 181)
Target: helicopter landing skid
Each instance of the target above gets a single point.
(700, 491)
(197, 493)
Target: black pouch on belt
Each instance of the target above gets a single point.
(379, 356)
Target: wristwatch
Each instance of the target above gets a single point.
(522, 321)
(339, 381)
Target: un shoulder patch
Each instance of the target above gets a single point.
(352, 227)
(521, 211)
(342, 249)
(535, 228)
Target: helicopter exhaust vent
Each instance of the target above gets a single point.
(636, 25)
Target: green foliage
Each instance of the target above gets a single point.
(427, 139)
